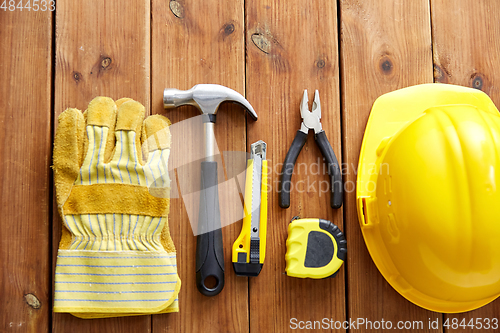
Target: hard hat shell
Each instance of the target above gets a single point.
(428, 195)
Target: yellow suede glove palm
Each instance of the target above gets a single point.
(116, 256)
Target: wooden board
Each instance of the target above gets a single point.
(193, 43)
(465, 44)
(267, 50)
(102, 49)
(385, 45)
(466, 40)
(25, 150)
(292, 46)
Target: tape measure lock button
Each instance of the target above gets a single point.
(316, 249)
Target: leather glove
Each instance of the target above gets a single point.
(116, 256)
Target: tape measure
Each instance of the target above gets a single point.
(316, 249)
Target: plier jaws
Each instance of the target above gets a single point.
(311, 120)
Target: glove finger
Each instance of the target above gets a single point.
(102, 112)
(68, 152)
(156, 133)
(100, 119)
(157, 142)
(128, 129)
(156, 147)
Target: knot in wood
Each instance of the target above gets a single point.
(105, 62)
(228, 28)
(386, 65)
(320, 63)
(177, 8)
(477, 82)
(32, 301)
(262, 42)
(77, 76)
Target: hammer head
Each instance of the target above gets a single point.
(206, 97)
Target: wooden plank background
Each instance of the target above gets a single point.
(284, 58)
(101, 49)
(386, 45)
(270, 51)
(194, 43)
(466, 45)
(25, 153)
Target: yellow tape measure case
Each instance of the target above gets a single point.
(316, 249)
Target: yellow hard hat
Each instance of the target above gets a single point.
(428, 195)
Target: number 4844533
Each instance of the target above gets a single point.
(478, 323)
(29, 5)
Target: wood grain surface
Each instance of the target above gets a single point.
(386, 45)
(289, 51)
(270, 51)
(102, 49)
(25, 152)
(465, 44)
(201, 43)
(466, 40)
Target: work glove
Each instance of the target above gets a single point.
(116, 256)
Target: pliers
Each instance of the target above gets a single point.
(311, 120)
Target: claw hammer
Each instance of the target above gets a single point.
(209, 252)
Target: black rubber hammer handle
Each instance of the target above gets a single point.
(209, 251)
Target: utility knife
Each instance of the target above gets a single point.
(249, 249)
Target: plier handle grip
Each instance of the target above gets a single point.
(311, 120)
